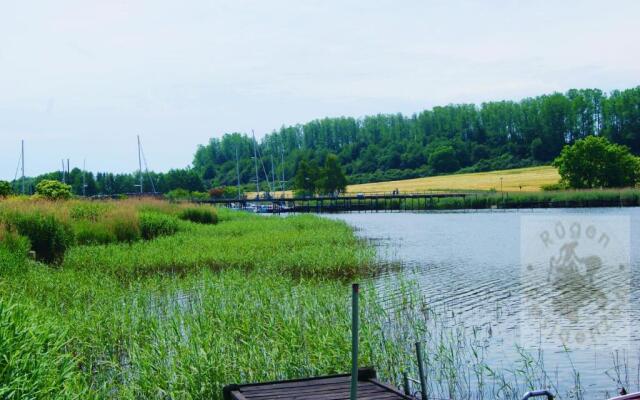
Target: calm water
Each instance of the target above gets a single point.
(493, 270)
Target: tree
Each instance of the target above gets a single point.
(5, 189)
(443, 159)
(594, 162)
(537, 149)
(53, 190)
(332, 178)
(306, 177)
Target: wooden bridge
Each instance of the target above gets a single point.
(342, 203)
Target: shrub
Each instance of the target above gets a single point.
(178, 194)
(155, 224)
(49, 236)
(201, 215)
(93, 233)
(13, 248)
(216, 192)
(53, 190)
(5, 189)
(125, 226)
(201, 196)
(554, 187)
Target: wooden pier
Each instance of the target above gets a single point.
(332, 387)
(342, 203)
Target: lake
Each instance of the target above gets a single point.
(561, 283)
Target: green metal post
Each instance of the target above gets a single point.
(354, 341)
(423, 378)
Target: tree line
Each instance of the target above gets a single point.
(107, 183)
(445, 139)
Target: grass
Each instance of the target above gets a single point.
(181, 315)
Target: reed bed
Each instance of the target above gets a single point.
(550, 199)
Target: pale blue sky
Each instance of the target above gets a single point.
(79, 79)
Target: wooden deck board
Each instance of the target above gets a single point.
(334, 387)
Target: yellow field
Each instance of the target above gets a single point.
(513, 180)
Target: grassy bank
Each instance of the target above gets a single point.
(180, 315)
(548, 199)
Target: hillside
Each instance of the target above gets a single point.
(513, 180)
(490, 136)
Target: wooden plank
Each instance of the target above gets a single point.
(333, 387)
(311, 388)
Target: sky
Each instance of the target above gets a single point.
(80, 79)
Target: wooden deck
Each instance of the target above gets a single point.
(333, 387)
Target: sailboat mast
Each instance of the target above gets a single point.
(282, 181)
(84, 180)
(255, 160)
(238, 171)
(22, 158)
(140, 165)
(273, 174)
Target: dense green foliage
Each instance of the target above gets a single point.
(248, 312)
(466, 137)
(154, 224)
(53, 227)
(5, 189)
(594, 162)
(458, 137)
(49, 236)
(201, 215)
(13, 249)
(329, 179)
(53, 190)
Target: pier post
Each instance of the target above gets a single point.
(354, 340)
(405, 384)
(423, 378)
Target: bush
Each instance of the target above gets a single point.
(216, 193)
(49, 236)
(53, 190)
(554, 187)
(155, 224)
(93, 233)
(13, 248)
(125, 225)
(178, 194)
(201, 196)
(5, 189)
(201, 215)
